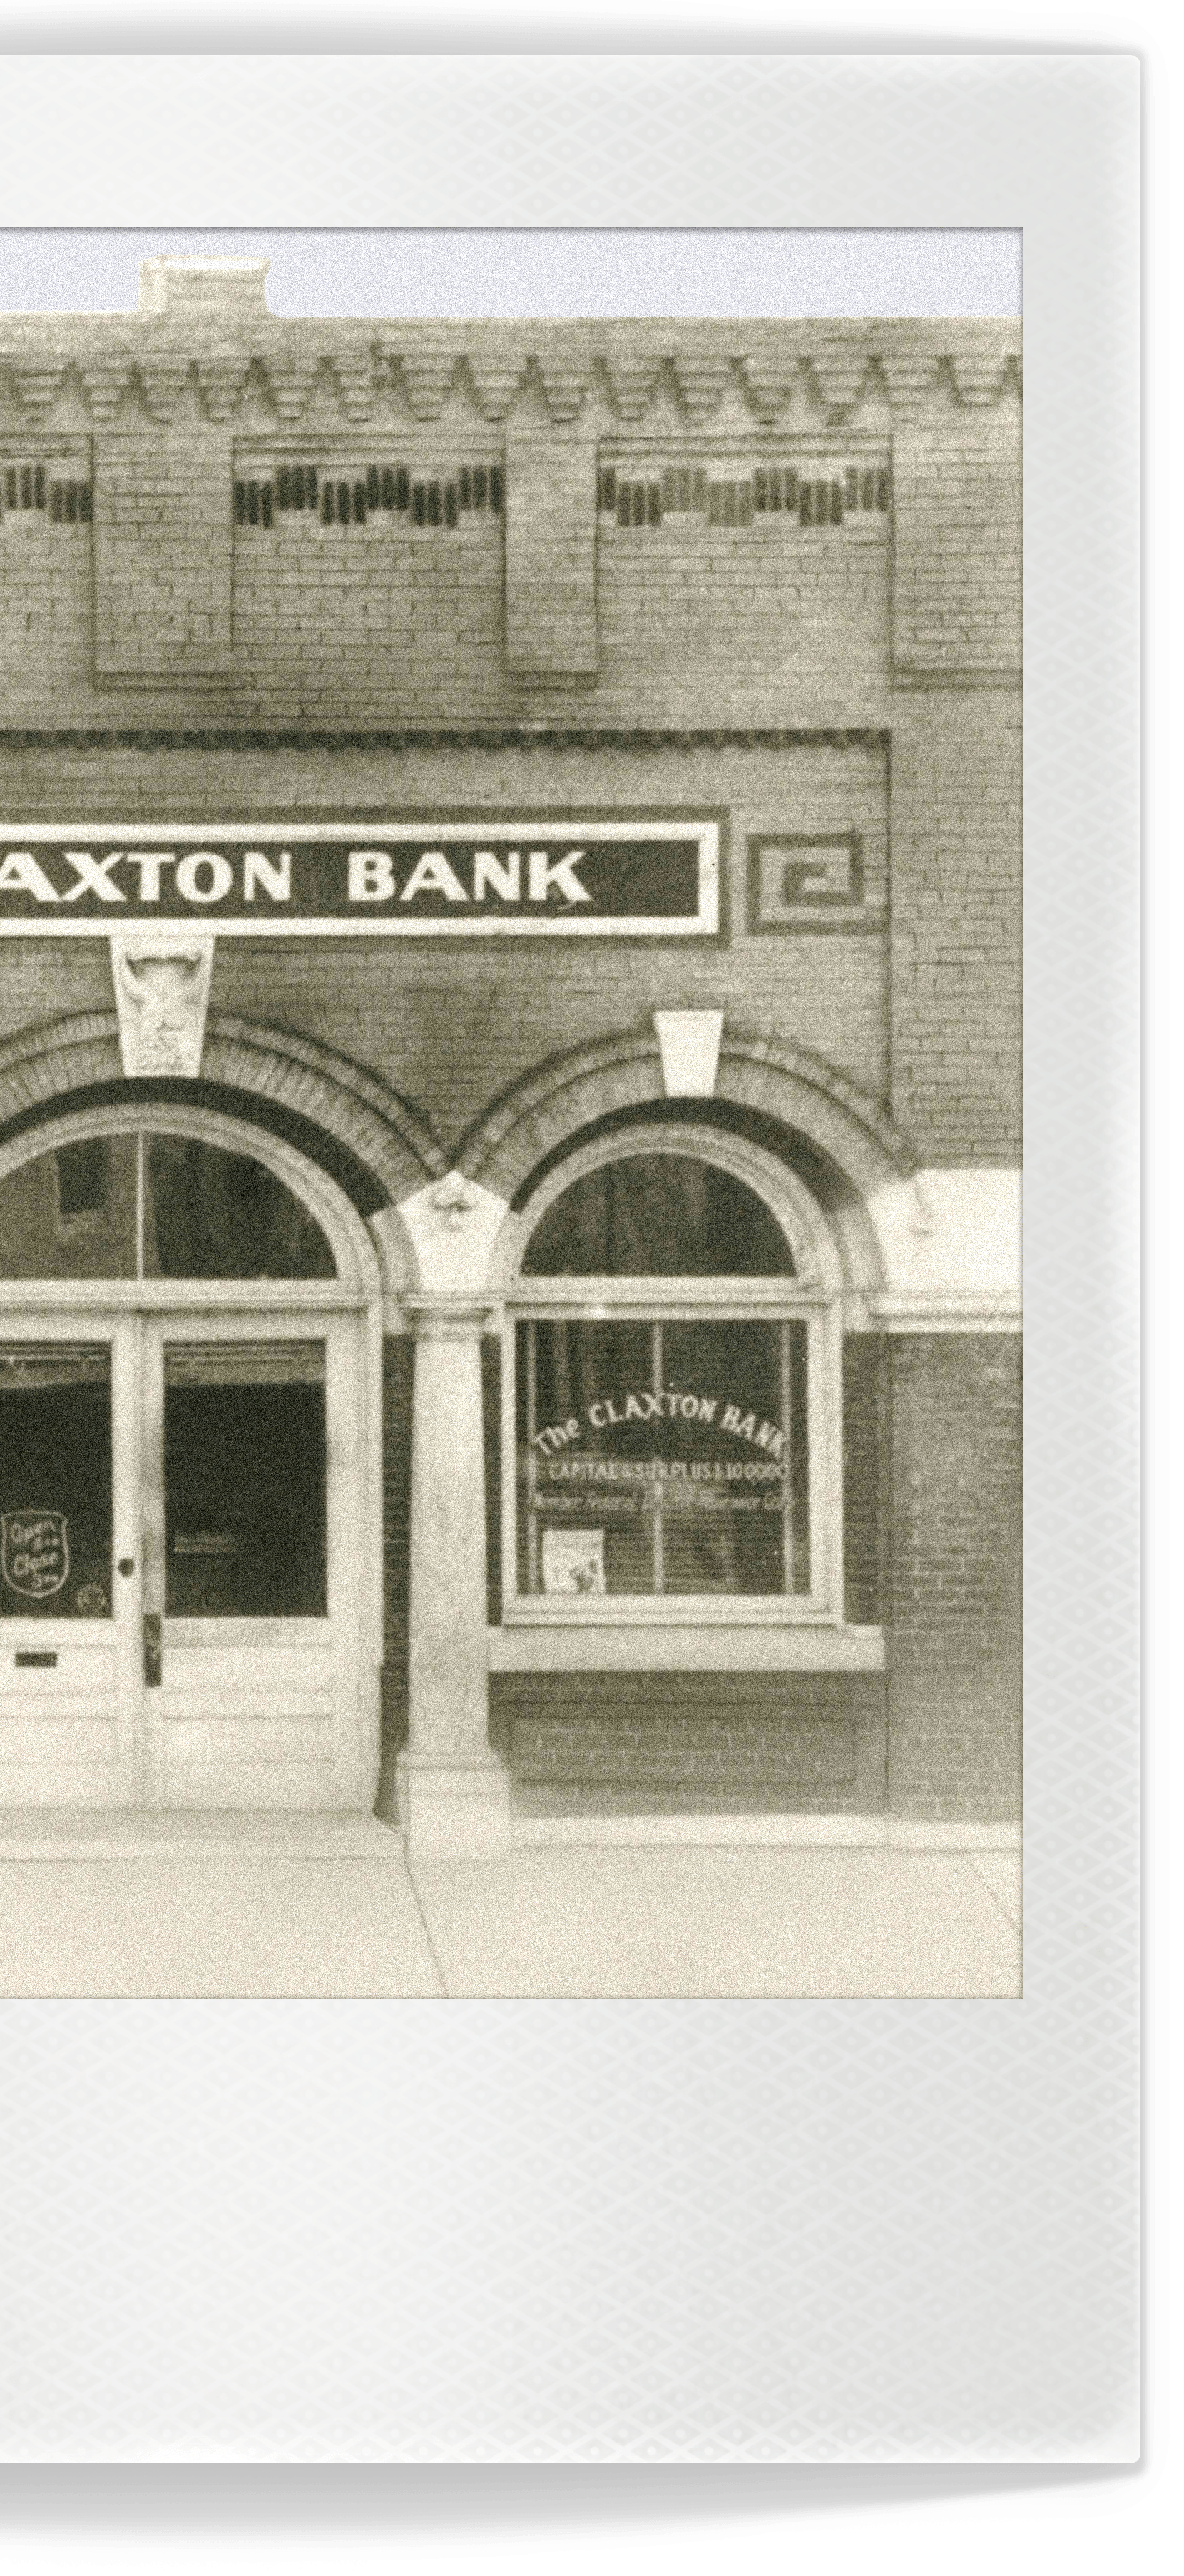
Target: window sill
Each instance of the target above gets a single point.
(696, 1646)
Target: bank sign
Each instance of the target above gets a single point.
(621, 878)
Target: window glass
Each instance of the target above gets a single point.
(55, 1481)
(71, 1214)
(244, 1472)
(155, 1207)
(84, 1174)
(663, 1458)
(661, 1215)
(209, 1214)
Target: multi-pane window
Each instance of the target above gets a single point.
(669, 1368)
(663, 1457)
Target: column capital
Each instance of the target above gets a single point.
(446, 1317)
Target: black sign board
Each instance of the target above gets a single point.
(642, 878)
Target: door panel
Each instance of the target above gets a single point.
(224, 1744)
(208, 1475)
(68, 1619)
(259, 1529)
(297, 1675)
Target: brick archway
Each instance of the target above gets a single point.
(308, 1082)
(798, 1091)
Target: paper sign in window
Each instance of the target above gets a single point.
(573, 1560)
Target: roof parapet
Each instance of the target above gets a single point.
(204, 289)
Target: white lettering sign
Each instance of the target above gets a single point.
(626, 876)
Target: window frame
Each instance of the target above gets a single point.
(813, 1296)
(357, 1284)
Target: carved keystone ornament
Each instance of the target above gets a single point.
(454, 1198)
(162, 988)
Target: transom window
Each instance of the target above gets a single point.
(673, 1366)
(148, 1205)
(662, 1216)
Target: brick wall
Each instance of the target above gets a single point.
(491, 1416)
(865, 1467)
(46, 620)
(381, 622)
(550, 555)
(162, 552)
(465, 618)
(769, 624)
(397, 1004)
(957, 556)
(493, 619)
(954, 1600)
(801, 1741)
(956, 823)
(397, 1355)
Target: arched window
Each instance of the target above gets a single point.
(674, 1366)
(190, 1322)
(141, 1203)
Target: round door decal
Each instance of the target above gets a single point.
(34, 1552)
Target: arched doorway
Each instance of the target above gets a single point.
(189, 1469)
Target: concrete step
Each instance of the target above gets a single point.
(130, 1833)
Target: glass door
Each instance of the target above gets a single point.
(190, 1524)
(69, 1561)
(251, 1543)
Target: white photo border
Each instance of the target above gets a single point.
(671, 2231)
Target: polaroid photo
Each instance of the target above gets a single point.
(512, 843)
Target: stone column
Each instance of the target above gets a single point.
(453, 1792)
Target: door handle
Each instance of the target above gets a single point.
(153, 1658)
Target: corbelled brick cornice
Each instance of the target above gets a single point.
(768, 374)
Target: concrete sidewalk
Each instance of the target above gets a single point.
(212, 1906)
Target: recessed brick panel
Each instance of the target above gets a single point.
(162, 555)
(801, 1741)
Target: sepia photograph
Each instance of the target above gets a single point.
(570, 1802)
(510, 1136)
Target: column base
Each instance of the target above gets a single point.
(453, 1809)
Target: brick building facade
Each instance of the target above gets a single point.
(657, 1166)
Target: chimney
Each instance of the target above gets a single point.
(225, 291)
